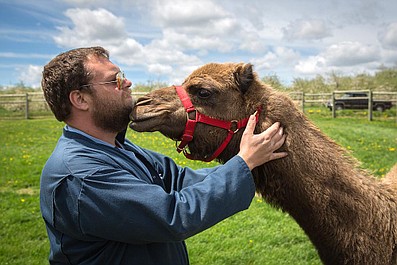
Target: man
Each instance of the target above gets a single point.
(105, 200)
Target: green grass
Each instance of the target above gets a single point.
(260, 235)
(372, 143)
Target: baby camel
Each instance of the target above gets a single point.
(349, 216)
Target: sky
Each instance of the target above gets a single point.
(156, 41)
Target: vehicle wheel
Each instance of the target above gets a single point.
(379, 108)
(338, 107)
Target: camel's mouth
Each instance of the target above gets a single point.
(146, 117)
(145, 121)
(150, 114)
(151, 124)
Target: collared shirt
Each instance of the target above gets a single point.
(107, 205)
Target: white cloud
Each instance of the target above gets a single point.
(347, 56)
(169, 39)
(183, 13)
(388, 36)
(159, 69)
(182, 41)
(311, 65)
(84, 2)
(196, 25)
(350, 53)
(279, 57)
(105, 29)
(303, 29)
(90, 26)
(31, 75)
(389, 57)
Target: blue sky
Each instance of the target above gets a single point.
(163, 41)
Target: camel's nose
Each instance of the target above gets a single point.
(143, 101)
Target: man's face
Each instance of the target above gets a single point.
(110, 106)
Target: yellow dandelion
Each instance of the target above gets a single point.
(392, 149)
(22, 200)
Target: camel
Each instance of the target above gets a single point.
(349, 215)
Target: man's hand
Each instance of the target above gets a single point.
(257, 149)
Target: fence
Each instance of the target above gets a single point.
(328, 100)
(28, 105)
(33, 105)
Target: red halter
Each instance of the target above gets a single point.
(231, 126)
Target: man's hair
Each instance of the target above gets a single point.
(65, 73)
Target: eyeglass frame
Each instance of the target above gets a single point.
(120, 78)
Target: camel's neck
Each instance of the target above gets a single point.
(316, 168)
(318, 183)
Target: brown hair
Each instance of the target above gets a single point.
(65, 73)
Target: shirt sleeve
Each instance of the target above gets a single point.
(174, 176)
(115, 204)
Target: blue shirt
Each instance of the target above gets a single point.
(107, 205)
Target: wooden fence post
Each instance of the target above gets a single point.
(333, 105)
(370, 105)
(26, 106)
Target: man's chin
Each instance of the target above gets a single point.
(113, 124)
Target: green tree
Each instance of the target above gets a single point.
(273, 81)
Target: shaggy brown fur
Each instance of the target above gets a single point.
(349, 216)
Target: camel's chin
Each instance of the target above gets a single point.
(144, 126)
(142, 121)
(153, 126)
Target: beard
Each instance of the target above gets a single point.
(112, 115)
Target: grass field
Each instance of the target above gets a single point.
(260, 235)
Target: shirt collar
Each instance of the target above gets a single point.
(69, 128)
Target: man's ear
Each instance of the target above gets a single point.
(78, 100)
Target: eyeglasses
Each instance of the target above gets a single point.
(120, 78)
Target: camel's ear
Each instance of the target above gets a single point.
(244, 76)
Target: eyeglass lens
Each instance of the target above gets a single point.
(120, 77)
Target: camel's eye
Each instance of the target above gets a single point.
(204, 93)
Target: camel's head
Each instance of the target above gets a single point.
(216, 90)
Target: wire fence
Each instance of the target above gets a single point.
(32, 105)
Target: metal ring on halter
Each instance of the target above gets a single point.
(234, 122)
(178, 148)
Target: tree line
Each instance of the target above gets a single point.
(385, 79)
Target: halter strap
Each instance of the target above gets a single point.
(231, 126)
